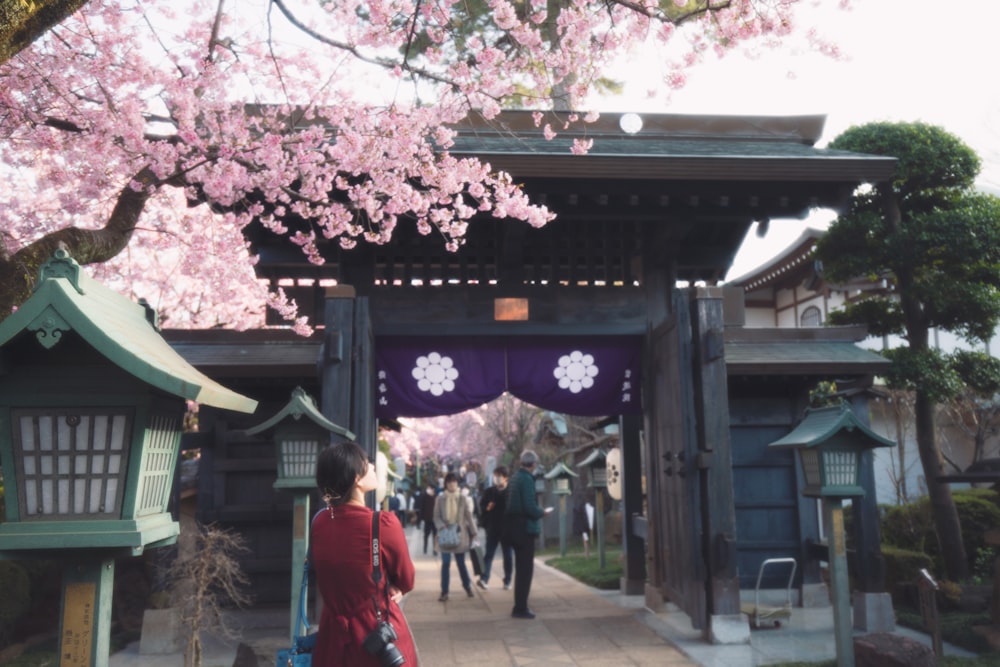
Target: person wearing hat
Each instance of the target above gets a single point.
(522, 525)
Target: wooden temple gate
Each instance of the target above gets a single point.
(647, 226)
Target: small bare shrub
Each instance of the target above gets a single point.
(205, 578)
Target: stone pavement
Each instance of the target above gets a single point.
(575, 625)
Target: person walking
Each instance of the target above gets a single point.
(491, 511)
(521, 527)
(427, 502)
(453, 518)
(341, 559)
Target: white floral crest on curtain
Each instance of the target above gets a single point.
(576, 371)
(435, 373)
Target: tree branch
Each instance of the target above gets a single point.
(384, 63)
(87, 246)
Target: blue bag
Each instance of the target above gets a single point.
(300, 654)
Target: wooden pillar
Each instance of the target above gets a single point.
(301, 518)
(634, 547)
(363, 387)
(833, 516)
(348, 365)
(869, 566)
(336, 367)
(85, 621)
(713, 466)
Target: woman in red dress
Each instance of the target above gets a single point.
(341, 559)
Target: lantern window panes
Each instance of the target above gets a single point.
(599, 476)
(562, 484)
(841, 467)
(72, 463)
(810, 467)
(159, 453)
(298, 458)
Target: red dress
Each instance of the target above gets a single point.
(341, 547)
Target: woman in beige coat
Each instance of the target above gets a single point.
(452, 511)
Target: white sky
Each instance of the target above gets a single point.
(907, 60)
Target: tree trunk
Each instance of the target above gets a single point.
(943, 510)
(22, 22)
(18, 272)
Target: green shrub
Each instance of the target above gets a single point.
(956, 628)
(911, 526)
(902, 569)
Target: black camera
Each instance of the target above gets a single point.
(379, 643)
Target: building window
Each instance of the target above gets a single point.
(811, 317)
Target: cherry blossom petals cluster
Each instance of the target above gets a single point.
(334, 129)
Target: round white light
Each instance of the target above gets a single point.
(630, 123)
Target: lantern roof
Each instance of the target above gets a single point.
(301, 404)
(822, 424)
(596, 457)
(123, 331)
(558, 470)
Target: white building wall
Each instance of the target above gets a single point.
(787, 319)
(759, 318)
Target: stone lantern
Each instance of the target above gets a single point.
(91, 403)
(830, 442)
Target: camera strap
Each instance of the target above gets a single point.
(377, 570)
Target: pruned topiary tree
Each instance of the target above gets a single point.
(935, 242)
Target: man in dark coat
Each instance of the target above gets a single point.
(491, 511)
(522, 526)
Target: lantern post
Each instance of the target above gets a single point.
(830, 442)
(92, 400)
(596, 463)
(300, 432)
(560, 477)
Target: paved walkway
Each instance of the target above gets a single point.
(575, 626)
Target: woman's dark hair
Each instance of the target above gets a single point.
(502, 471)
(450, 477)
(337, 469)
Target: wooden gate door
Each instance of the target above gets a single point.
(674, 508)
(689, 460)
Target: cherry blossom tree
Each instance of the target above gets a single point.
(501, 429)
(145, 136)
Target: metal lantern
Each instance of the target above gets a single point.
(596, 463)
(830, 442)
(300, 432)
(91, 404)
(560, 477)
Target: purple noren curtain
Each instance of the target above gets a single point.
(578, 375)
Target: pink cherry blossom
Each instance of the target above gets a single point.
(264, 108)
